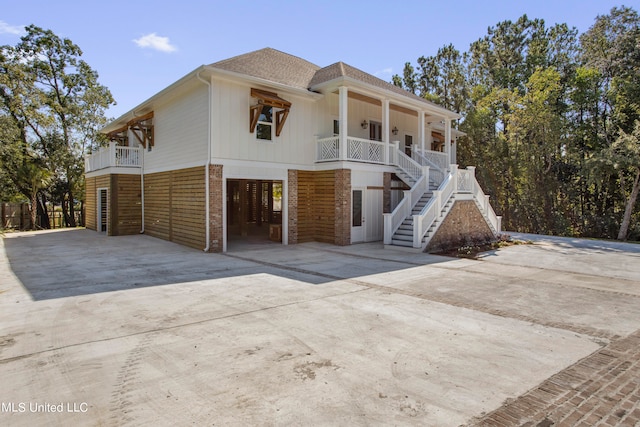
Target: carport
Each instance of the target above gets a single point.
(254, 210)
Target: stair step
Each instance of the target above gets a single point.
(403, 237)
(402, 243)
(404, 232)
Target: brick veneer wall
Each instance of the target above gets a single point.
(342, 225)
(292, 203)
(216, 204)
(463, 225)
(386, 195)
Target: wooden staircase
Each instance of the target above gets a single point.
(404, 234)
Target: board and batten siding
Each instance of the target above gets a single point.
(180, 132)
(174, 207)
(233, 140)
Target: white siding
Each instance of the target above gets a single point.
(232, 139)
(180, 132)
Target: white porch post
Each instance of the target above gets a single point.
(447, 139)
(385, 126)
(343, 123)
(421, 131)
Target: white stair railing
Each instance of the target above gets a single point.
(408, 165)
(423, 221)
(432, 159)
(393, 220)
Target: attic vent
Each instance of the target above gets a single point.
(268, 99)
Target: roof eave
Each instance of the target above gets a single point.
(373, 90)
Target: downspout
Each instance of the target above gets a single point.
(142, 186)
(207, 212)
(141, 179)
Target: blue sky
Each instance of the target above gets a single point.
(140, 47)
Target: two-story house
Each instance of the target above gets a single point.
(267, 145)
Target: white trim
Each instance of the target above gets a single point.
(285, 211)
(224, 209)
(379, 93)
(176, 167)
(113, 171)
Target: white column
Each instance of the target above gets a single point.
(421, 129)
(447, 139)
(385, 126)
(343, 120)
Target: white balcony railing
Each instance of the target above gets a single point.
(358, 150)
(113, 156)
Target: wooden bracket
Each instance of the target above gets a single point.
(142, 128)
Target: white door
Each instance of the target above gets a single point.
(374, 226)
(357, 215)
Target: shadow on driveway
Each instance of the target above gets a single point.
(72, 262)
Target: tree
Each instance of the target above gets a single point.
(611, 47)
(624, 156)
(550, 120)
(56, 106)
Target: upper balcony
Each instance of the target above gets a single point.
(113, 156)
(357, 150)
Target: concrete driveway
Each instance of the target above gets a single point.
(133, 330)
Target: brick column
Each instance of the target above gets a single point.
(386, 192)
(292, 202)
(216, 204)
(342, 229)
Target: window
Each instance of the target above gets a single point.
(356, 212)
(408, 141)
(265, 121)
(375, 131)
(336, 127)
(261, 115)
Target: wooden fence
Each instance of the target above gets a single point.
(16, 216)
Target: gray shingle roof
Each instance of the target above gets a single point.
(272, 65)
(340, 69)
(279, 67)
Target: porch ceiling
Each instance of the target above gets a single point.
(378, 102)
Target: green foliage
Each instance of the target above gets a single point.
(550, 120)
(51, 108)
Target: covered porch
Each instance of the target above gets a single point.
(369, 128)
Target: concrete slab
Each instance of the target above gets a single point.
(134, 330)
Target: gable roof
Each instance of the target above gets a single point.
(279, 67)
(272, 65)
(340, 70)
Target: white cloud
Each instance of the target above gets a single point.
(11, 29)
(154, 41)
